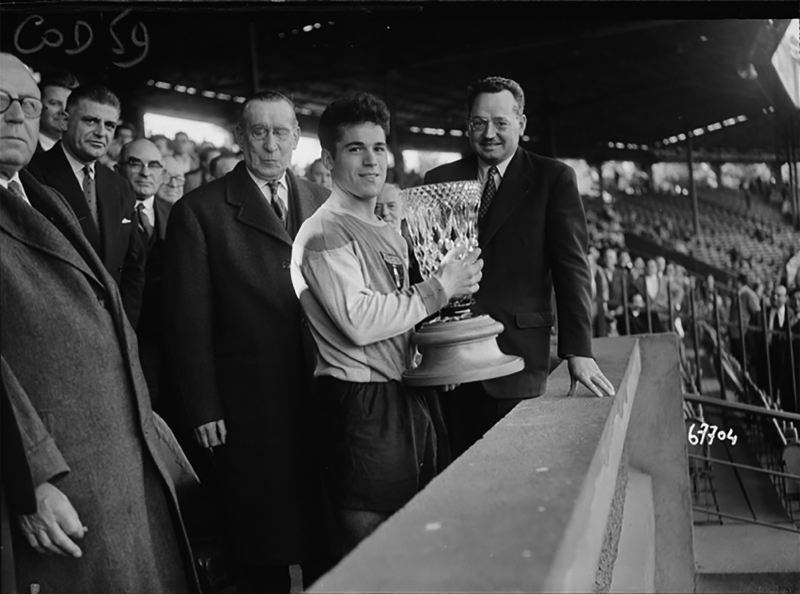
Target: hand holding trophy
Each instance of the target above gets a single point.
(456, 347)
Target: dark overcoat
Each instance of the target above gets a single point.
(236, 334)
(71, 371)
(116, 240)
(534, 240)
(151, 330)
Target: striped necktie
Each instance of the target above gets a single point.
(90, 192)
(277, 203)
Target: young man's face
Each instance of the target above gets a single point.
(359, 167)
(54, 116)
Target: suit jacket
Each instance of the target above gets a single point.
(236, 335)
(534, 240)
(71, 372)
(116, 241)
(151, 330)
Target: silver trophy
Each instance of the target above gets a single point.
(456, 347)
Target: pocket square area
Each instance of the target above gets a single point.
(125, 221)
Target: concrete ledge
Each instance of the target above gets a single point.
(524, 510)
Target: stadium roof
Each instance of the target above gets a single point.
(596, 87)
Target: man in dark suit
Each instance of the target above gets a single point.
(237, 336)
(142, 164)
(779, 318)
(72, 376)
(534, 239)
(101, 199)
(55, 90)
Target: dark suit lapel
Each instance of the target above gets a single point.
(46, 226)
(515, 186)
(162, 208)
(109, 210)
(254, 211)
(302, 203)
(59, 175)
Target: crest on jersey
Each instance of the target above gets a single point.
(396, 269)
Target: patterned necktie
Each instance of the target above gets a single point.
(90, 193)
(277, 203)
(489, 191)
(16, 189)
(144, 222)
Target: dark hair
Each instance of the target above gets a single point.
(268, 96)
(125, 126)
(95, 93)
(204, 153)
(156, 137)
(350, 111)
(496, 84)
(742, 278)
(60, 78)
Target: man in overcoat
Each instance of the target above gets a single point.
(237, 337)
(532, 230)
(72, 374)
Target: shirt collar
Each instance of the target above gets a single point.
(261, 183)
(148, 202)
(46, 142)
(77, 166)
(15, 177)
(483, 168)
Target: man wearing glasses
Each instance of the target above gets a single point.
(101, 199)
(532, 231)
(142, 164)
(243, 358)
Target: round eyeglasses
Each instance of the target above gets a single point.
(31, 106)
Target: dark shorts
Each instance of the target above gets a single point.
(379, 443)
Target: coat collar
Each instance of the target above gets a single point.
(162, 209)
(254, 211)
(49, 226)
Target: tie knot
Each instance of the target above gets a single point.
(493, 171)
(88, 171)
(15, 188)
(140, 206)
(273, 187)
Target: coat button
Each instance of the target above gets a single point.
(286, 264)
(119, 269)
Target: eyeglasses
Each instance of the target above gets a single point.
(136, 165)
(481, 124)
(31, 106)
(261, 133)
(174, 180)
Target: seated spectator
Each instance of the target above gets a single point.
(222, 165)
(637, 319)
(202, 175)
(318, 173)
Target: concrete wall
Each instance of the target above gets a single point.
(556, 497)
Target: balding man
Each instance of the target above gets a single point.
(102, 200)
(142, 164)
(106, 504)
(237, 335)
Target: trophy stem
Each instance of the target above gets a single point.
(461, 351)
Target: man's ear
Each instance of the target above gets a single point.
(238, 136)
(327, 159)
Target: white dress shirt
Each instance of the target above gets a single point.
(15, 178)
(483, 171)
(46, 142)
(149, 209)
(77, 166)
(283, 190)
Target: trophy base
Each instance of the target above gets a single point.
(459, 352)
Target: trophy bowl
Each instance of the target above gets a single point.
(456, 347)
